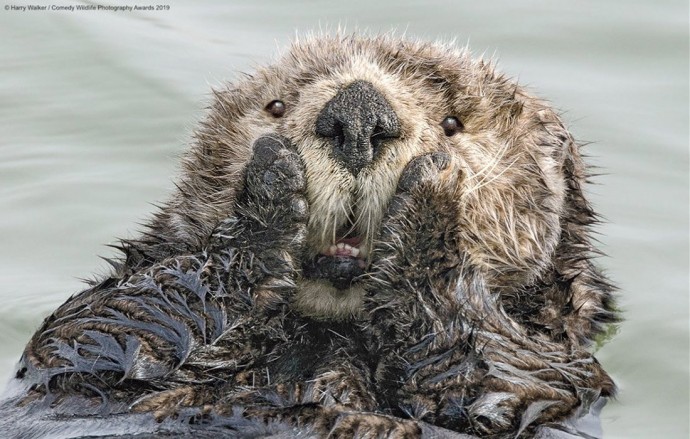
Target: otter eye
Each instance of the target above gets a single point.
(276, 108)
(451, 125)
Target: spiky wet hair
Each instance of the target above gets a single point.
(525, 218)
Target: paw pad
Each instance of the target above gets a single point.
(423, 169)
(275, 170)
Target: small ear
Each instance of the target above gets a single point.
(572, 301)
(575, 289)
(587, 295)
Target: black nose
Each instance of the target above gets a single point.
(357, 120)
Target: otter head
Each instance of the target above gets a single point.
(359, 110)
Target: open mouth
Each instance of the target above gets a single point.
(341, 262)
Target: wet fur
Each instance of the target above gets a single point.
(476, 311)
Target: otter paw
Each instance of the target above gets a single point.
(273, 196)
(275, 171)
(421, 218)
(374, 426)
(423, 169)
(421, 180)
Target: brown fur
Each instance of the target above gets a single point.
(480, 298)
(521, 204)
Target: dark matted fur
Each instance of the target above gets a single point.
(474, 314)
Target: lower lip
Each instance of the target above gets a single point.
(338, 270)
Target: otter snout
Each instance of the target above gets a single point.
(357, 120)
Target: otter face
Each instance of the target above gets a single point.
(359, 110)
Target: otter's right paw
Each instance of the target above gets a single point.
(272, 205)
(275, 177)
(268, 226)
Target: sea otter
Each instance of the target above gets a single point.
(372, 237)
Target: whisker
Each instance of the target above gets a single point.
(481, 184)
(491, 165)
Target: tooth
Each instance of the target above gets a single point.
(354, 251)
(332, 249)
(341, 246)
(347, 247)
(363, 252)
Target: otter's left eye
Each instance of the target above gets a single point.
(276, 108)
(452, 125)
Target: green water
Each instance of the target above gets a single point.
(96, 106)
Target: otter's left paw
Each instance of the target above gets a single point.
(418, 237)
(423, 169)
(421, 177)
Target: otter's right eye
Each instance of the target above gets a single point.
(276, 108)
(451, 125)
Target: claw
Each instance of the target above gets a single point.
(423, 168)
